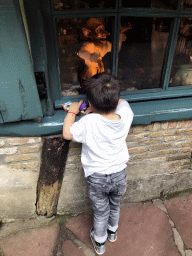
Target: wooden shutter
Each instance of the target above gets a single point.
(19, 99)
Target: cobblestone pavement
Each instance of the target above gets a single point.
(158, 227)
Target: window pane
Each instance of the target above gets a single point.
(159, 4)
(84, 50)
(142, 53)
(187, 4)
(86, 4)
(181, 73)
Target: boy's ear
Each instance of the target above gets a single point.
(86, 32)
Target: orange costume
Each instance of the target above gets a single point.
(93, 57)
(96, 47)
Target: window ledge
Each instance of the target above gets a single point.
(144, 113)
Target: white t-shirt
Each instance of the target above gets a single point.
(104, 148)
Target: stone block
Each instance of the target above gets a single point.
(146, 188)
(138, 129)
(185, 150)
(137, 136)
(74, 151)
(173, 138)
(14, 166)
(162, 133)
(74, 188)
(179, 157)
(184, 131)
(168, 152)
(172, 125)
(156, 126)
(10, 179)
(148, 127)
(187, 123)
(160, 146)
(23, 157)
(180, 124)
(150, 141)
(164, 125)
(18, 203)
(8, 151)
(183, 143)
(2, 142)
(131, 130)
(21, 141)
(144, 156)
(131, 144)
(30, 149)
(178, 164)
(31, 165)
(137, 150)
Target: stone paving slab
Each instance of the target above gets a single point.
(144, 230)
(180, 211)
(69, 249)
(31, 242)
(80, 226)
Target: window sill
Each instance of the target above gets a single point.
(144, 113)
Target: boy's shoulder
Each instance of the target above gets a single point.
(89, 117)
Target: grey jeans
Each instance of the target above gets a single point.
(105, 192)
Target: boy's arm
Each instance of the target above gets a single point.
(70, 119)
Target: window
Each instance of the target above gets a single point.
(181, 72)
(150, 60)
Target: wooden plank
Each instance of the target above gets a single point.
(53, 161)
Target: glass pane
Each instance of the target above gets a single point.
(142, 53)
(181, 73)
(187, 4)
(84, 47)
(86, 4)
(158, 4)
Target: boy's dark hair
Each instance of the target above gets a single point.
(103, 92)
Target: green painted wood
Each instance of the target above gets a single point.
(1, 119)
(162, 110)
(53, 62)
(115, 45)
(187, 13)
(144, 113)
(141, 95)
(147, 12)
(19, 95)
(172, 41)
(38, 48)
(142, 12)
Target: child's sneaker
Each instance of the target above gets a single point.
(112, 236)
(99, 248)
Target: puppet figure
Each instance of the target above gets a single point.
(95, 47)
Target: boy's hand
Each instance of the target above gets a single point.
(74, 107)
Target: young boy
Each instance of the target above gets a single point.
(104, 152)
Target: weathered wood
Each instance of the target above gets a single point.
(53, 160)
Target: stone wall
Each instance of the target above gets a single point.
(19, 170)
(160, 164)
